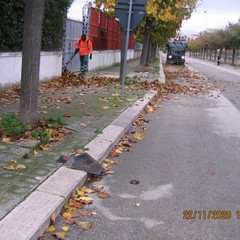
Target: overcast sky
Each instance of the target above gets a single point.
(212, 14)
(209, 14)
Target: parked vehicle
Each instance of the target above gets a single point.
(176, 52)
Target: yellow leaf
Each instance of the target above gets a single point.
(13, 161)
(38, 178)
(80, 193)
(6, 140)
(35, 152)
(67, 215)
(51, 228)
(105, 107)
(65, 228)
(138, 135)
(110, 161)
(20, 166)
(72, 208)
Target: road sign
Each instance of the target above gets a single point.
(130, 13)
(138, 11)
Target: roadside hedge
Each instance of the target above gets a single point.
(11, 24)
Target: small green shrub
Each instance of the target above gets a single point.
(131, 80)
(10, 125)
(55, 122)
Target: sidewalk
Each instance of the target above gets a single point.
(98, 120)
(223, 67)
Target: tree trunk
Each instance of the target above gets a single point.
(149, 52)
(32, 37)
(215, 55)
(146, 41)
(233, 56)
(225, 56)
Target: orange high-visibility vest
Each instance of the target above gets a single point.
(85, 47)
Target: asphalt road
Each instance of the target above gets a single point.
(226, 77)
(188, 170)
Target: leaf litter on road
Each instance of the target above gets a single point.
(126, 142)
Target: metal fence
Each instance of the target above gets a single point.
(73, 33)
(104, 34)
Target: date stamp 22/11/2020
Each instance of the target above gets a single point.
(210, 214)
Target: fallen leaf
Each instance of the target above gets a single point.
(6, 140)
(20, 166)
(53, 217)
(26, 155)
(103, 195)
(51, 228)
(13, 161)
(105, 107)
(79, 151)
(86, 200)
(70, 221)
(35, 152)
(75, 203)
(84, 225)
(112, 162)
(138, 135)
(67, 215)
(134, 182)
(89, 190)
(60, 235)
(38, 178)
(80, 193)
(10, 167)
(67, 115)
(138, 204)
(82, 213)
(65, 228)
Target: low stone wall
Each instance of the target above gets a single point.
(11, 65)
(51, 64)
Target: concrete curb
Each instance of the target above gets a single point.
(31, 218)
(162, 78)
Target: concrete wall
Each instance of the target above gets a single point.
(102, 59)
(11, 64)
(51, 64)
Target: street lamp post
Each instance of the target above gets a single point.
(86, 19)
(205, 20)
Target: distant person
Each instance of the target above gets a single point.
(84, 46)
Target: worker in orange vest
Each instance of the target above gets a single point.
(84, 46)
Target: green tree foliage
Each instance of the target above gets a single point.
(11, 24)
(228, 38)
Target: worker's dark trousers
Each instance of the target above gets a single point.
(84, 64)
